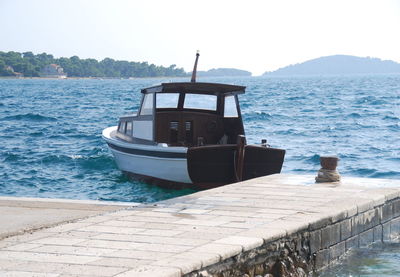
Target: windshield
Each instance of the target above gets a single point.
(200, 102)
(167, 100)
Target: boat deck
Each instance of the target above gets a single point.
(227, 229)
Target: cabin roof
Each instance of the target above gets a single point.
(200, 88)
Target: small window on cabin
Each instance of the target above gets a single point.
(128, 130)
(167, 100)
(122, 127)
(147, 106)
(200, 101)
(230, 109)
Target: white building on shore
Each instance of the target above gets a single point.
(53, 71)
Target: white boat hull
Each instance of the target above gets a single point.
(151, 161)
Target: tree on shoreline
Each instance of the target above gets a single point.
(30, 65)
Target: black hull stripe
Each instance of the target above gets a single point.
(149, 153)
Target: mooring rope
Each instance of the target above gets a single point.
(326, 175)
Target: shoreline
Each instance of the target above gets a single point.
(84, 78)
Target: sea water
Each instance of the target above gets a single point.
(51, 145)
(382, 259)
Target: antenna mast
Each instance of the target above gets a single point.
(193, 80)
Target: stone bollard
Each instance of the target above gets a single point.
(328, 171)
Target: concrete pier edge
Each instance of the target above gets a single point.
(280, 225)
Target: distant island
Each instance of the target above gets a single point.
(338, 65)
(27, 64)
(223, 72)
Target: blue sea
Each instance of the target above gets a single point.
(51, 145)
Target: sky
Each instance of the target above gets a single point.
(253, 35)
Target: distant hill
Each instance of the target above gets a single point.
(338, 64)
(219, 72)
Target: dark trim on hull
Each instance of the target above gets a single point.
(149, 153)
(156, 181)
(170, 184)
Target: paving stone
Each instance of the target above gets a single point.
(205, 258)
(73, 250)
(194, 211)
(120, 262)
(92, 270)
(278, 211)
(364, 205)
(195, 222)
(290, 226)
(186, 265)
(167, 210)
(58, 241)
(246, 243)
(75, 235)
(162, 233)
(223, 250)
(159, 247)
(62, 268)
(201, 235)
(162, 226)
(139, 254)
(45, 257)
(22, 247)
(232, 213)
(110, 244)
(315, 220)
(267, 233)
(270, 216)
(96, 219)
(111, 229)
(244, 224)
(151, 239)
(26, 274)
(136, 218)
(122, 223)
(152, 271)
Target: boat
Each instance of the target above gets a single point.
(189, 135)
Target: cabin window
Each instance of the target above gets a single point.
(230, 109)
(147, 106)
(122, 127)
(167, 100)
(200, 102)
(128, 130)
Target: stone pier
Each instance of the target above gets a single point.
(279, 225)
